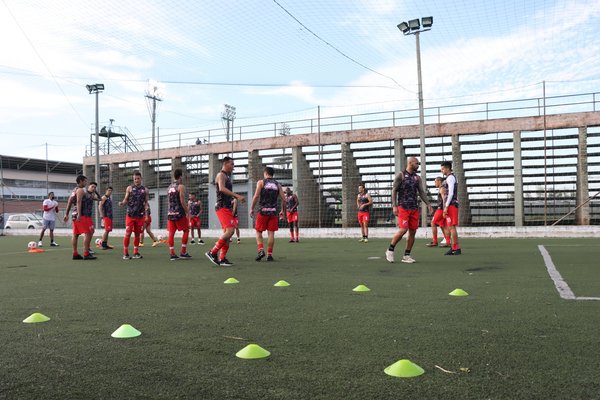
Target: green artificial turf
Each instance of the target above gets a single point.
(513, 337)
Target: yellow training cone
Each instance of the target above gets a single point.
(458, 292)
(361, 288)
(281, 284)
(252, 351)
(404, 369)
(36, 317)
(231, 280)
(126, 331)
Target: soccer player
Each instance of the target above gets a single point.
(236, 220)
(83, 224)
(50, 207)
(136, 199)
(195, 207)
(407, 185)
(177, 216)
(106, 213)
(268, 190)
(291, 204)
(450, 212)
(438, 219)
(148, 229)
(218, 254)
(364, 203)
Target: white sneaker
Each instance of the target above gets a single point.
(389, 255)
(408, 259)
(40, 244)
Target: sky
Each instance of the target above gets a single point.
(274, 60)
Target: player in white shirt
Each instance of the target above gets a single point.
(50, 207)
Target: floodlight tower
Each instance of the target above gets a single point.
(154, 93)
(228, 115)
(96, 88)
(415, 27)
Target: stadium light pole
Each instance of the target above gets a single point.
(96, 89)
(415, 27)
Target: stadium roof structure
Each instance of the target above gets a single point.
(39, 165)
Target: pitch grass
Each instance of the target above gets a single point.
(513, 334)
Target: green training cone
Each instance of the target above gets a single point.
(361, 288)
(252, 351)
(404, 369)
(281, 284)
(231, 280)
(126, 331)
(36, 317)
(458, 292)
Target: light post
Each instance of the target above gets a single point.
(228, 115)
(415, 27)
(96, 88)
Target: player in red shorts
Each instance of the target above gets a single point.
(106, 213)
(291, 205)
(195, 208)
(268, 190)
(218, 254)
(363, 204)
(136, 199)
(83, 224)
(451, 207)
(177, 216)
(438, 219)
(407, 185)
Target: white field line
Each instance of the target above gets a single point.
(561, 285)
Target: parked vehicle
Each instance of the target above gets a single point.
(23, 221)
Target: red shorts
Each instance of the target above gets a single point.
(225, 216)
(266, 223)
(83, 226)
(452, 216)
(108, 225)
(135, 225)
(438, 218)
(408, 219)
(180, 224)
(236, 222)
(195, 222)
(292, 216)
(363, 217)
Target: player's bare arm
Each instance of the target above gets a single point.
(220, 181)
(126, 198)
(259, 187)
(184, 205)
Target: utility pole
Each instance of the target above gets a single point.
(153, 94)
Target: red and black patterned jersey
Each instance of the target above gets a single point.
(194, 208)
(363, 198)
(136, 204)
(73, 201)
(291, 202)
(176, 210)
(87, 203)
(267, 205)
(107, 207)
(223, 200)
(408, 191)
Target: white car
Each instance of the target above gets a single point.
(23, 221)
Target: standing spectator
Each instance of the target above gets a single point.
(50, 207)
